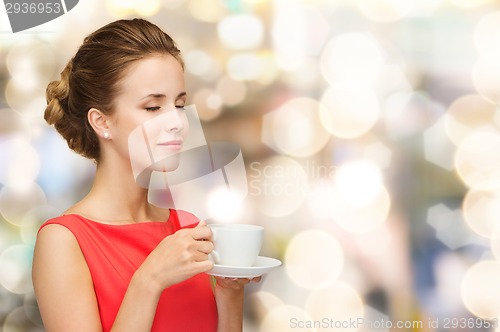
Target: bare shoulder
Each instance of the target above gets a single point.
(55, 243)
(62, 282)
(57, 253)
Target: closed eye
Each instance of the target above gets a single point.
(152, 109)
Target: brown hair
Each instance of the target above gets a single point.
(90, 79)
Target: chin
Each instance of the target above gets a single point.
(168, 164)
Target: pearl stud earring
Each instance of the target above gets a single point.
(106, 135)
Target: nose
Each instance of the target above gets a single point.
(175, 121)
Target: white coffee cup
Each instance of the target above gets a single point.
(236, 244)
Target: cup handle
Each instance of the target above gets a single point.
(214, 257)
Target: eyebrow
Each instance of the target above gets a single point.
(160, 95)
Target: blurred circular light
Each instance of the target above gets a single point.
(225, 205)
(357, 218)
(245, 66)
(19, 320)
(280, 185)
(207, 10)
(282, 318)
(360, 202)
(481, 210)
(232, 92)
(495, 242)
(60, 168)
(319, 199)
(32, 221)
(379, 153)
(15, 202)
(214, 101)
(12, 122)
(20, 95)
(486, 77)
(241, 31)
(385, 10)
(392, 79)
(15, 264)
(477, 160)
(144, 8)
(299, 32)
(354, 58)
(296, 128)
(480, 291)
(269, 71)
(259, 67)
(314, 259)
(339, 300)
(208, 104)
(263, 302)
(31, 309)
(8, 301)
(305, 77)
(487, 34)
(359, 182)
(349, 112)
(31, 63)
(172, 4)
(471, 3)
(201, 64)
(469, 114)
(20, 163)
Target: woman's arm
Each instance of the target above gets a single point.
(62, 283)
(229, 295)
(65, 291)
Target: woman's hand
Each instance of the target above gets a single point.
(229, 295)
(179, 256)
(176, 258)
(235, 283)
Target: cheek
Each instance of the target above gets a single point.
(185, 128)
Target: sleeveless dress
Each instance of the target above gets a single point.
(114, 252)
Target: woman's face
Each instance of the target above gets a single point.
(148, 125)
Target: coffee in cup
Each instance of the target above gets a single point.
(236, 244)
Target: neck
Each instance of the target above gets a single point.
(115, 195)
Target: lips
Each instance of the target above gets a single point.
(173, 144)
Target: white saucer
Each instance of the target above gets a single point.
(261, 266)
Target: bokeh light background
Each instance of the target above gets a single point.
(371, 137)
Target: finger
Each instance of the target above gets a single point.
(201, 232)
(205, 246)
(256, 279)
(204, 265)
(200, 256)
(232, 283)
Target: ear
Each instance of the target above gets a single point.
(98, 121)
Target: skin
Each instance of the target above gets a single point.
(62, 281)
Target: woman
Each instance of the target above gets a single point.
(113, 261)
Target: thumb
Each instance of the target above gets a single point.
(201, 223)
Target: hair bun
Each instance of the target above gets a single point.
(57, 96)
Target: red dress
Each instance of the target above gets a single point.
(114, 252)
